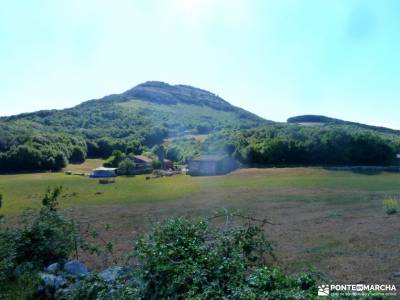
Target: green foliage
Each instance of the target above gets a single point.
(150, 114)
(305, 145)
(115, 159)
(186, 259)
(78, 155)
(47, 238)
(310, 119)
(25, 157)
(159, 152)
(145, 116)
(391, 205)
(117, 122)
(38, 151)
(8, 245)
(43, 238)
(92, 288)
(24, 287)
(50, 199)
(104, 147)
(182, 149)
(126, 167)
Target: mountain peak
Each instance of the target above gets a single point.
(164, 93)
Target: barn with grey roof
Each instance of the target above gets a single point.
(208, 165)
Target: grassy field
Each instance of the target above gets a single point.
(332, 221)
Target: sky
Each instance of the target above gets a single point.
(277, 59)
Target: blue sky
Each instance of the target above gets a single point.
(274, 58)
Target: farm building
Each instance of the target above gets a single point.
(168, 164)
(103, 172)
(211, 165)
(143, 164)
(142, 161)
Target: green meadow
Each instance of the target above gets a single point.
(24, 191)
(332, 221)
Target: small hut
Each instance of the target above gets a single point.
(206, 165)
(103, 172)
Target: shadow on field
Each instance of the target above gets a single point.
(366, 170)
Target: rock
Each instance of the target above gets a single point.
(50, 280)
(111, 274)
(53, 268)
(75, 267)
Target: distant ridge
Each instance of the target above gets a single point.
(327, 120)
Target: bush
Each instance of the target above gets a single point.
(38, 152)
(179, 259)
(115, 159)
(185, 259)
(8, 246)
(44, 238)
(391, 205)
(78, 155)
(48, 237)
(23, 288)
(126, 167)
(92, 288)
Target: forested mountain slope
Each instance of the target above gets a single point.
(323, 120)
(173, 109)
(156, 113)
(140, 117)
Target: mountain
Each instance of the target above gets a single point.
(136, 119)
(323, 120)
(175, 108)
(179, 117)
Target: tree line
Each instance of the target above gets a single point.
(306, 145)
(277, 145)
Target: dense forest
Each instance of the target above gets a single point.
(286, 144)
(316, 119)
(155, 113)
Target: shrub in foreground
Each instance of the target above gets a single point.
(187, 259)
(43, 238)
(391, 205)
